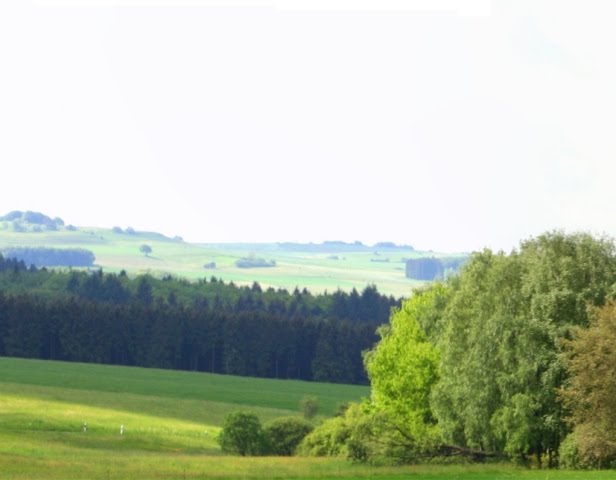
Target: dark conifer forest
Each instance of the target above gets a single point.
(171, 323)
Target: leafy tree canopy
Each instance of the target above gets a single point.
(475, 362)
(590, 392)
(242, 434)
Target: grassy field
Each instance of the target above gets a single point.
(317, 271)
(170, 421)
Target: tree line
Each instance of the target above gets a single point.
(514, 357)
(51, 257)
(171, 323)
(433, 268)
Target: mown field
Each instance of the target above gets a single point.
(317, 271)
(170, 421)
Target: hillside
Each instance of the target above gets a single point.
(174, 415)
(318, 267)
(171, 420)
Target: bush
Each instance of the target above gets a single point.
(568, 453)
(242, 434)
(361, 435)
(285, 434)
(327, 440)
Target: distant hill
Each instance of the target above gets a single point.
(316, 266)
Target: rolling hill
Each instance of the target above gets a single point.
(318, 267)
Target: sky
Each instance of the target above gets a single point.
(450, 126)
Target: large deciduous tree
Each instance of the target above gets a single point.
(590, 392)
(403, 368)
(476, 364)
(500, 363)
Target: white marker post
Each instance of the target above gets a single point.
(121, 429)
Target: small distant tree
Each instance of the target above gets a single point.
(309, 406)
(145, 249)
(242, 434)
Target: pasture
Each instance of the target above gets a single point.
(316, 270)
(170, 422)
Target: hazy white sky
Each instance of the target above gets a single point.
(447, 125)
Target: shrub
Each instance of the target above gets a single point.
(327, 440)
(361, 435)
(242, 434)
(568, 453)
(285, 434)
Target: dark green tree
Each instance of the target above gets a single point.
(242, 434)
(285, 434)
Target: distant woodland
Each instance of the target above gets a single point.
(171, 323)
(433, 268)
(51, 257)
(28, 221)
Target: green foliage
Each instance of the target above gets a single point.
(309, 406)
(363, 434)
(569, 454)
(242, 434)
(590, 392)
(403, 369)
(328, 439)
(284, 434)
(473, 366)
(503, 326)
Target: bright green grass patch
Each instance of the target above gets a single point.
(170, 421)
(236, 391)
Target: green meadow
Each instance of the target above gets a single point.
(317, 271)
(170, 421)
